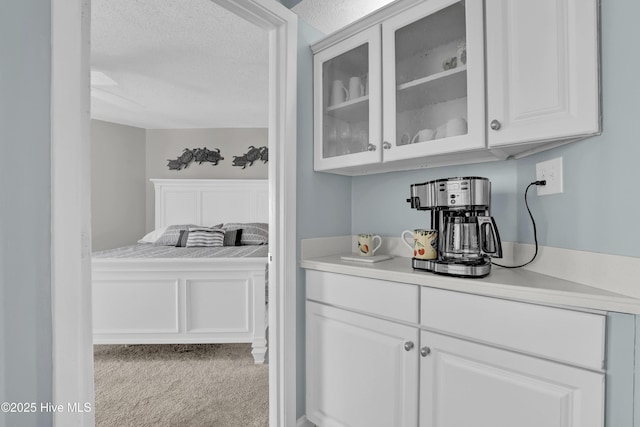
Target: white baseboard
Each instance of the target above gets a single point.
(304, 422)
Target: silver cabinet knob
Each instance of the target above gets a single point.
(386, 145)
(408, 346)
(425, 351)
(371, 147)
(495, 125)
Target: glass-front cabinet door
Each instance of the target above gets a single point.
(347, 102)
(433, 87)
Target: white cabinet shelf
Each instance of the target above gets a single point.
(354, 110)
(441, 87)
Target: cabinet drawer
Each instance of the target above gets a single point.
(392, 300)
(564, 335)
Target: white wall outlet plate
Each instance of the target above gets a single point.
(550, 171)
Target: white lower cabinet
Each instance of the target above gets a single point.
(361, 371)
(467, 361)
(463, 383)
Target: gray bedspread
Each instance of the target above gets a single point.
(149, 250)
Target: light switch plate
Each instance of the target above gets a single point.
(551, 171)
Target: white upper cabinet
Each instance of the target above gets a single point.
(406, 88)
(348, 102)
(433, 80)
(542, 71)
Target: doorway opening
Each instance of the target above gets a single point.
(71, 290)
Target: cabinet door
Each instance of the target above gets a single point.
(347, 102)
(433, 87)
(542, 70)
(468, 384)
(358, 370)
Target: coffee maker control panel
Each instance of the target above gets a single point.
(451, 193)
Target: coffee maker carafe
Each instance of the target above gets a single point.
(467, 235)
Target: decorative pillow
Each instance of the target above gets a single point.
(172, 234)
(153, 236)
(204, 236)
(182, 240)
(233, 237)
(253, 233)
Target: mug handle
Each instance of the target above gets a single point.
(373, 239)
(346, 93)
(413, 141)
(404, 240)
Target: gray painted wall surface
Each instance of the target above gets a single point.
(600, 171)
(597, 171)
(380, 201)
(164, 144)
(25, 210)
(323, 200)
(117, 185)
(620, 360)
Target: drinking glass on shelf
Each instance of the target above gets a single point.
(344, 137)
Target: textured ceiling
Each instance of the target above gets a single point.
(182, 64)
(178, 64)
(331, 15)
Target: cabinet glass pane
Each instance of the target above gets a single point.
(346, 103)
(431, 77)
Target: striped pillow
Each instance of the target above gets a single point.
(253, 233)
(204, 236)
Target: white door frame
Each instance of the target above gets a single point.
(71, 215)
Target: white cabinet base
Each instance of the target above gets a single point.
(500, 388)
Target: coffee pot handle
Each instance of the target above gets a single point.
(493, 248)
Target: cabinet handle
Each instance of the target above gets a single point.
(386, 145)
(371, 147)
(408, 346)
(495, 125)
(425, 351)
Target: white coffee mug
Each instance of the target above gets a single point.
(356, 88)
(424, 135)
(365, 244)
(339, 93)
(456, 126)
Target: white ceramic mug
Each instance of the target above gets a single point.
(339, 93)
(356, 88)
(456, 126)
(441, 132)
(424, 243)
(365, 244)
(424, 135)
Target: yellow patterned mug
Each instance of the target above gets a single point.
(365, 244)
(425, 243)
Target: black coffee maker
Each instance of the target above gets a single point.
(467, 235)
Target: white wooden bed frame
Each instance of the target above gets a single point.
(177, 301)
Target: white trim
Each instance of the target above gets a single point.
(70, 163)
(72, 350)
(304, 422)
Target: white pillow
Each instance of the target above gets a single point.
(153, 236)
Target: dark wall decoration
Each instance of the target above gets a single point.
(199, 155)
(252, 155)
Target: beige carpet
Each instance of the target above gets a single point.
(180, 385)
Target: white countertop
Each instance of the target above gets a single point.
(517, 284)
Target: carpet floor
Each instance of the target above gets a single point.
(185, 385)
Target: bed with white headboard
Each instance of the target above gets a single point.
(188, 300)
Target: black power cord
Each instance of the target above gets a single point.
(533, 222)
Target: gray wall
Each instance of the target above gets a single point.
(323, 200)
(598, 172)
(117, 185)
(169, 144)
(25, 210)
